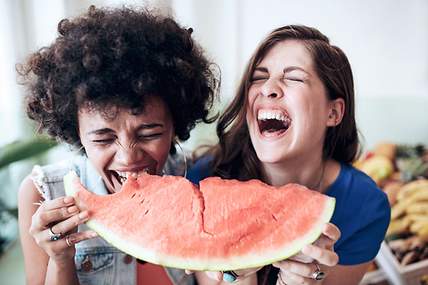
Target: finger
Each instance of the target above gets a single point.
(78, 237)
(215, 275)
(290, 278)
(323, 256)
(297, 279)
(40, 220)
(59, 214)
(302, 269)
(188, 272)
(329, 237)
(324, 242)
(301, 258)
(70, 223)
(57, 203)
(332, 231)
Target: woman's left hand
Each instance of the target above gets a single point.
(304, 267)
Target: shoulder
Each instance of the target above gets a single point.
(28, 193)
(362, 214)
(201, 169)
(352, 186)
(48, 179)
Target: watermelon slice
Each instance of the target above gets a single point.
(224, 225)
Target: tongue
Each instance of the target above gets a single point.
(272, 127)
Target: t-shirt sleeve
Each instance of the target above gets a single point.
(201, 169)
(364, 244)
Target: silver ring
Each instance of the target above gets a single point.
(67, 240)
(230, 276)
(53, 236)
(318, 273)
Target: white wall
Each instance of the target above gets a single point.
(386, 42)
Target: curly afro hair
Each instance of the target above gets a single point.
(118, 57)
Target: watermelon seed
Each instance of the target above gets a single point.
(142, 201)
(146, 212)
(133, 195)
(275, 218)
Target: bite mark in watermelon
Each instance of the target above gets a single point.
(223, 225)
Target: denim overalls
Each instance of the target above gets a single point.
(96, 261)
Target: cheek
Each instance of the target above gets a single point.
(99, 158)
(250, 107)
(159, 150)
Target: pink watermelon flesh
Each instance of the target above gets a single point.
(224, 225)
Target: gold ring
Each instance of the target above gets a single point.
(67, 240)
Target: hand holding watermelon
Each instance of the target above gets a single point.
(54, 220)
(315, 259)
(221, 276)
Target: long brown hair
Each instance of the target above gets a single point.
(235, 157)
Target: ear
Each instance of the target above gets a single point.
(337, 110)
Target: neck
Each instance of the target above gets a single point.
(307, 172)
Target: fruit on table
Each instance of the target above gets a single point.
(378, 167)
(386, 149)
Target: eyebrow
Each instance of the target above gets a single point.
(285, 70)
(291, 68)
(104, 131)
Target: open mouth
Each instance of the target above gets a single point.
(121, 176)
(273, 123)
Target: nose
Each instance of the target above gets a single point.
(128, 154)
(271, 88)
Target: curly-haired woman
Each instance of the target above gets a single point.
(120, 85)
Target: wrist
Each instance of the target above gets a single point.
(62, 262)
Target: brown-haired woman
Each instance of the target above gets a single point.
(292, 121)
(121, 85)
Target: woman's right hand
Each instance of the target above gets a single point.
(61, 216)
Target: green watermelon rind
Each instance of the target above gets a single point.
(239, 262)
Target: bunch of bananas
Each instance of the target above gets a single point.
(410, 211)
(402, 173)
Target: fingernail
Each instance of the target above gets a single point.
(83, 215)
(68, 199)
(93, 234)
(72, 209)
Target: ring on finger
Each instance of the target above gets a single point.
(67, 240)
(318, 273)
(230, 276)
(54, 236)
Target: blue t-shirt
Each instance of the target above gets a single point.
(362, 211)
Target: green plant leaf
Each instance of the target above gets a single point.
(24, 149)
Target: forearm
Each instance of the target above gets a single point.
(63, 273)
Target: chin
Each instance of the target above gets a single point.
(268, 156)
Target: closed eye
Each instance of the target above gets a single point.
(150, 136)
(257, 79)
(294, 79)
(104, 141)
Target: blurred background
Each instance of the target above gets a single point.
(386, 42)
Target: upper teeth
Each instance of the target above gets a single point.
(125, 175)
(271, 114)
